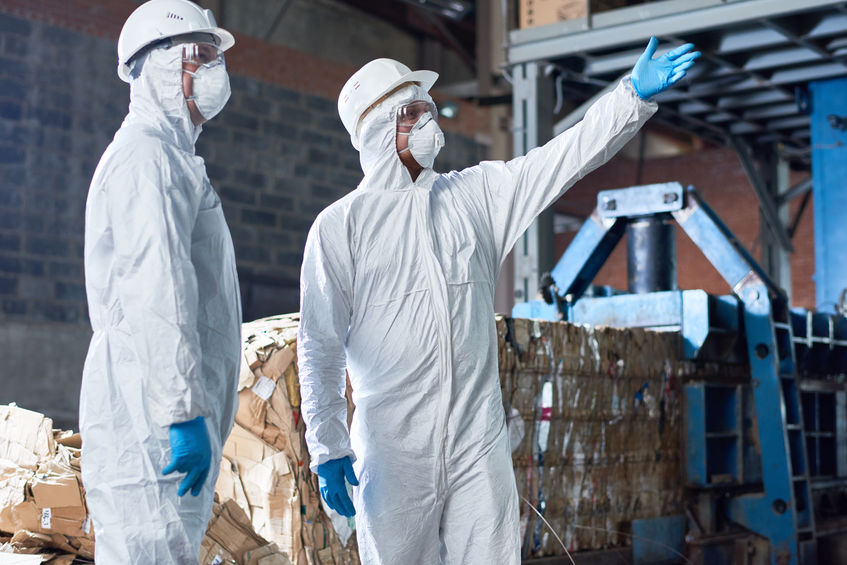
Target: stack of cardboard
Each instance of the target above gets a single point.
(266, 465)
(593, 417)
(42, 502)
(43, 510)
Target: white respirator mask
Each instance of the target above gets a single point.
(211, 89)
(425, 140)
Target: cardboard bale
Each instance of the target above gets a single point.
(612, 453)
(268, 465)
(261, 480)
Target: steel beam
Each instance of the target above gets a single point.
(532, 100)
(801, 187)
(750, 39)
(685, 21)
(829, 165)
(773, 111)
(754, 98)
(578, 113)
(769, 211)
(781, 58)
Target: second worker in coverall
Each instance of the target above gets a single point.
(397, 287)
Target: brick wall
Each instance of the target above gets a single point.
(718, 176)
(277, 155)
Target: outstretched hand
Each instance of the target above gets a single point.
(651, 76)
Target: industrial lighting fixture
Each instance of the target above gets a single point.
(453, 9)
(448, 110)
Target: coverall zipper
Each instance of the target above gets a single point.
(438, 287)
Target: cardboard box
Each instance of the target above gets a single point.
(542, 12)
(57, 491)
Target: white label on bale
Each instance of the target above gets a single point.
(45, 518)
(264, 388)
(217, 560)
(86, 525)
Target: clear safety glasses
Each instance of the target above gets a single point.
(409, 114)
(202, 55)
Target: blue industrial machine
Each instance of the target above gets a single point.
(765, 451)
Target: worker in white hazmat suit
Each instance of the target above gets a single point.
(159, 385)
(397, 286)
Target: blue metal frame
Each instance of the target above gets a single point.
(715, 447)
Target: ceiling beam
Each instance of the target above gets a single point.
(769, 211)
(685, 21)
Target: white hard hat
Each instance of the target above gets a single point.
(372, 82)
(160, 19)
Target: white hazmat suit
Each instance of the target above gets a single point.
(165, 308)
(398, 286)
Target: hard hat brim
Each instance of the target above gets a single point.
(225, 41)
(426, 78)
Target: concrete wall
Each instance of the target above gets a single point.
(344, 35)
(277, 155)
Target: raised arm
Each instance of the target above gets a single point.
(517, 191)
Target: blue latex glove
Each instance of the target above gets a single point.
(331, 477)
(190, 453)
(651, 76)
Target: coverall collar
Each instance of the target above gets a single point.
(157, 100)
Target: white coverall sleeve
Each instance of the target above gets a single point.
(326, 287)
(519, 190)
(152, 217)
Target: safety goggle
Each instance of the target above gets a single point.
(202, 55)
(409, 114)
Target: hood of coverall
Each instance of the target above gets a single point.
(157, 100)
(378, 143)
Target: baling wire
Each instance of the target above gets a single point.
(632, 536)
(555, 535)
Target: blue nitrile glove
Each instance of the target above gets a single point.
(331, 477)
(190, 453)
(651, 76)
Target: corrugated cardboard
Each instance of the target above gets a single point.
(213, 553)
(267, 555)
(231, 530)
(53, 491)
(241, 444)
(542, 12)
(267, 459)
(25, 436)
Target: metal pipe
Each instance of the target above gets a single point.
(651, 254)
